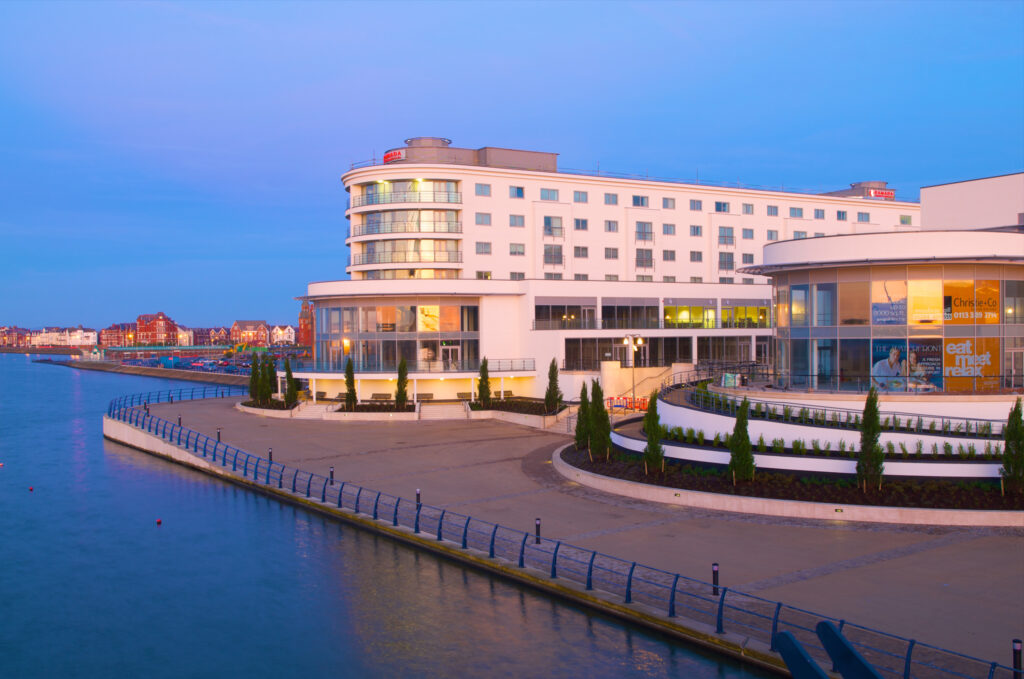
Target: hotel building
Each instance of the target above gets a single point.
(459, 254)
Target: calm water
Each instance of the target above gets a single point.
(235, 584)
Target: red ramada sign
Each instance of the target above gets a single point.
(872, 193)
(392, 156)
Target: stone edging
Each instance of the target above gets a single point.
(786, 508)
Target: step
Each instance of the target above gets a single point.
(445, 411)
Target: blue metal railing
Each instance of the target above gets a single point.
(670, 594)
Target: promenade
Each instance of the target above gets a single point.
(960, 588)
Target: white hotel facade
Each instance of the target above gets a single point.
(460, 254)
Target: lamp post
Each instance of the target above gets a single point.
(633, 342)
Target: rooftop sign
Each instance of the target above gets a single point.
(872, 193)
(392, 156)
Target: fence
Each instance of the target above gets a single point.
(670, 594)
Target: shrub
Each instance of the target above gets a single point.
(718, 440)
(654, 452)
(931, 426)
(254, 378)
(778, 446)
(786, 412)
(816, 446)
(920, 422)
(553, 395)
(291, 391)
(1013, 457)
(972, 452)
(700, 437)
(600, 424)
(760, 444)
(935, 449)
(947, 448)
(350, 385)
(741, 460)
(918, 448)
(402, 385)
(871, 463)
(842, 446)
(582, 434)
(484, 385)
(689, 435)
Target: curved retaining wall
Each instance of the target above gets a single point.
(821, 465)
(786, 508)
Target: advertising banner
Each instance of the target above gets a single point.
(889, 364)
(924, 365)
(986, 302)
(889, 303)
(958, 302)
(971, 364)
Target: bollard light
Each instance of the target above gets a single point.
(417, 496)
(270, 454)
(714, 579)
(218, 429)
(179, 422)
(536, 524)
(1018, 670)
(332, 476)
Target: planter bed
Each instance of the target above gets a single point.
(922, 493)
(378, 408)
(273, 405)
(523, 406)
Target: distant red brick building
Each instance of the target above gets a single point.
(14, 336)
(304, 337)
(156, 330)
(119, 335)
(253, 333)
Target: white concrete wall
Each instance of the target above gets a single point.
(973, 204)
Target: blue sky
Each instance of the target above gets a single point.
(185, 157)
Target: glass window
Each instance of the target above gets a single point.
(517, 276)
(773, 210)
(695, 229)
(772, 234)
(748, 281)
(579, 224)
(470, 318)
(819, 234)
(428, 316)
(483, 275)
(552, 254)
(796, 212)
(552, 226)
(668, 279)
(889, 302)
(516, 220)
(579, 196)
(483, 189)
(725, 236)
(889, 364)
(579, 252)
(643, 278)
(748, 208)
(516, 192)
(611, 277)
(748, 258)
(668, 255)
(725, 261)
(696, 279)
(854, 303)
(864, 217)
(924, 295)
(580, 277)
(799, 305)
(696, 256)
(517, 249)
(668, 203)
(668, 229)
(548, 276)
(825, 304)
(611, 226)
(799, 234)
(905, 220)
(450, 321)
(644, 231)
(639, 201)
(819, 214)
(483, 248)
(549, 194)
(611, 253)
(725, 279)
(748, 234)
(721, 206)
(611, 199)
(483, 218)
(841, 215)
(644, 258)
(854, 364)
(696, 205)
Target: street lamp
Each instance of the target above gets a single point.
(633, 342)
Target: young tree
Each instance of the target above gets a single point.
(350, 385)
(269, 379)
(600, 425)
(485, 385)
(553, 395)
(741, 459)
(583, 422)
(871, 461)
(654, 452)
(402, 388)
(254, 378)
(1013, 450)
(291, 389)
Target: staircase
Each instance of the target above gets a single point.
(443, 411)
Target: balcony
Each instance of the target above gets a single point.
(727, 240)
(406, 197)
(406, 227)
(646, 324)
(645, 262)
(431, 257)
(554, 231)
(494, 365)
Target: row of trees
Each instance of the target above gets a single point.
(593, 425)
(263, 382)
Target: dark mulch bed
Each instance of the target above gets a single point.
(894, 493)
(379, 408)
(273, 405)
(523, 406)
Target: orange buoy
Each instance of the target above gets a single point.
(30, 489)
(159, 522)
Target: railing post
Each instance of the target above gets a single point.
(395, 520)
(440, 524)
(341, 490)
(554, 561)
(775, 625)
(375, 501)
(294, 477)
(309, 484)
(672, 597)
(358, 493)
(269, 465)
(245, 467)
(719, 624)
(416, 524)
(323, 492)
(906, 665)
(465, 533)
(494, 534)
(835, 666)
(590, 572)
(629, 584)
(522, 551)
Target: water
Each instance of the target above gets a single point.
(236, 584)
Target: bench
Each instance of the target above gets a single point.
(505, 394)
(380, 397)
(424, 397)
(465, 395)
(321, 395)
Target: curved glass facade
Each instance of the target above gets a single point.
(908, 328)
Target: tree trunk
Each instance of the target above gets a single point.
(734, 478)
(645, 467)
(590, 455)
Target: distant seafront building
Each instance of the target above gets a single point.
(460, 254)
(282, 335)
(119, 335)
(156, 330)
(253, 333)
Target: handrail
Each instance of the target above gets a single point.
(673, 594)
(680, 389)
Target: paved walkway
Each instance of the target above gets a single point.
(960, 588)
